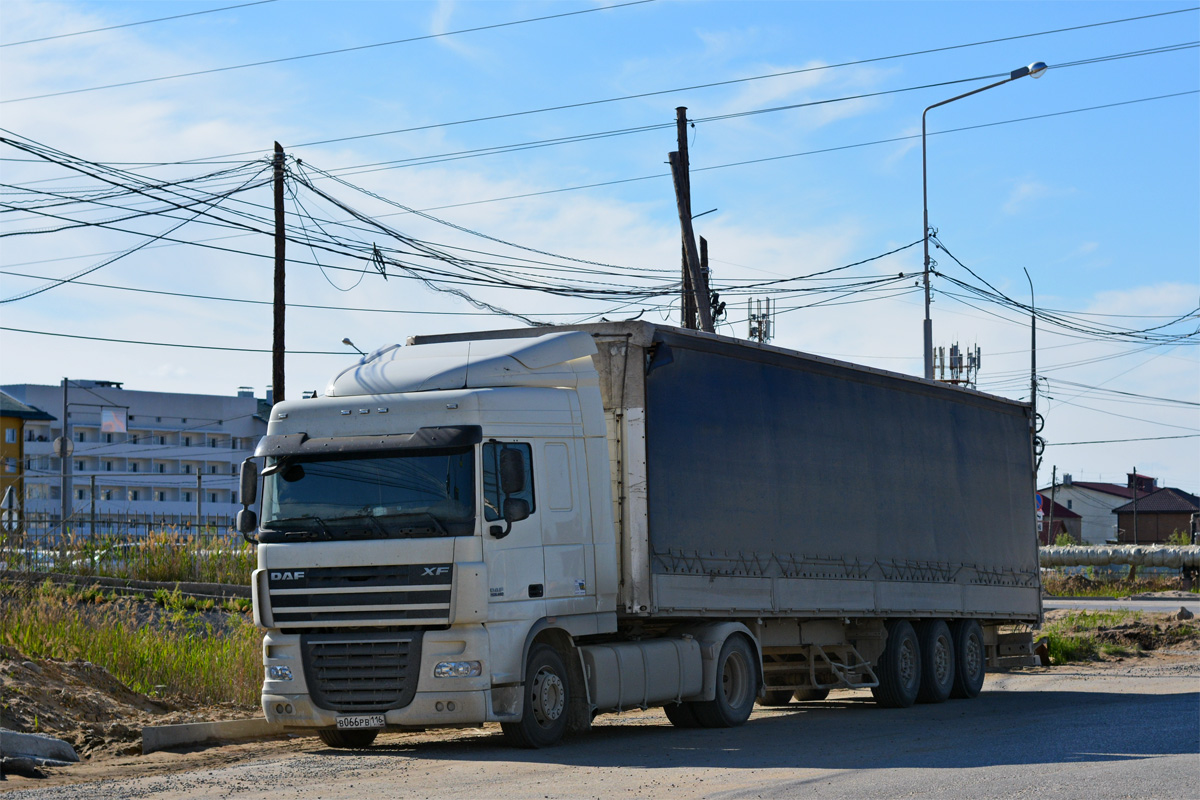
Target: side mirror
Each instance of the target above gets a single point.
(515, 510)
(249, 483)
(247, 521)
(512, 472)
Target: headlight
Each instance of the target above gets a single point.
(279, 673)
(458, 669)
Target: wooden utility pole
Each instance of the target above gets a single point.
(699, 285)
(687, 305)
(277, 346)
(199, 495)
(1133, 484)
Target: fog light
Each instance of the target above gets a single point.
(458, 669)
(279, 673)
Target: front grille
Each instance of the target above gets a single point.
(406, 594)
(363, 671)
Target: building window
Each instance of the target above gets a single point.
(108, 438)
(160, 496)
(233, 497)
(162, 440)
(133, 467)
(108, 495)
(1068, 505)
(133, 494)
(79, 494)
(158, 419)
(10, 465)
(212, 469)
(79, 465)
(187, 469)
(79, 436)
(108, 466)
(212, 497)
(212, 442)
(187, 441)
(10, 435)
(162, 468)
(187, 497)
(233, 469)
(184, 420)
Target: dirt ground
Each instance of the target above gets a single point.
(102, 718)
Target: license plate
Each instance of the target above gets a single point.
(360, 721)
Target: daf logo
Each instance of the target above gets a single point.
(288, 576)
(434, 571)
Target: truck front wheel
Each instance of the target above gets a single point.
(547, 698)
(899, 669)
(737, 686)
(347, 740)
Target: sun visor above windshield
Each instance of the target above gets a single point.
(549, 360)
(432, 438)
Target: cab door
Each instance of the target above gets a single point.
(513, 551)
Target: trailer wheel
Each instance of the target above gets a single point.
(547, 698)
(737, 686)
(899, 670)
(937, 661)
(681, 715)
(775, 697)
(970, 659)
(813, 695)
(347, 740)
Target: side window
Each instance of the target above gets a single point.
(493, 498)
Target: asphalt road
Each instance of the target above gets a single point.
(1096, 732)
(1155, 606)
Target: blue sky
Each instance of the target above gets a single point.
(1100, 206)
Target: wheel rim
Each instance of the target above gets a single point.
(735, 680)
(973, 657)
(908, 663)
(549, 697)
(941, 661)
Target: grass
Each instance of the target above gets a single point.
(204, 657)
(1073, 636)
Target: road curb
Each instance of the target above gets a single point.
(162, 737)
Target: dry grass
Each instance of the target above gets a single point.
(207, 657)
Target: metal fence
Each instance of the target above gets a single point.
(152, 547)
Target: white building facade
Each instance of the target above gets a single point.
(169, 455)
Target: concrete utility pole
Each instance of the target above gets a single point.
(199, 495)
(92, 495)
(277, 346)
(687, 303)
(64, 463)
(1133, 483)
(1053, 492)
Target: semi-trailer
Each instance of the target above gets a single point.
(535, 526)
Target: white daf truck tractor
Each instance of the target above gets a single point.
(533, 527)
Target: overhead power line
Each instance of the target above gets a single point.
(328, 52)
(1116, 441)
(132, 24)
(174, 344)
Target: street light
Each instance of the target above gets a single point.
(1034, 70)
(347, 341)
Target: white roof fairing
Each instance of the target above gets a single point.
(554, 359)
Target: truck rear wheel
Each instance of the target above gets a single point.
(937, 661)
(899, 670)
(970, 659)
(347, 740)
(737, 686)
(547, 698)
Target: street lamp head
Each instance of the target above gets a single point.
(1037, 69)
(346, 341)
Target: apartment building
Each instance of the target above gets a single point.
(137, 452)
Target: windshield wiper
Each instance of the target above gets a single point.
(294, 520)
(433, 524)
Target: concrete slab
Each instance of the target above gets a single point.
(161, 737)
(35, 745)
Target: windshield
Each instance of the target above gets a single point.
(393, 496)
